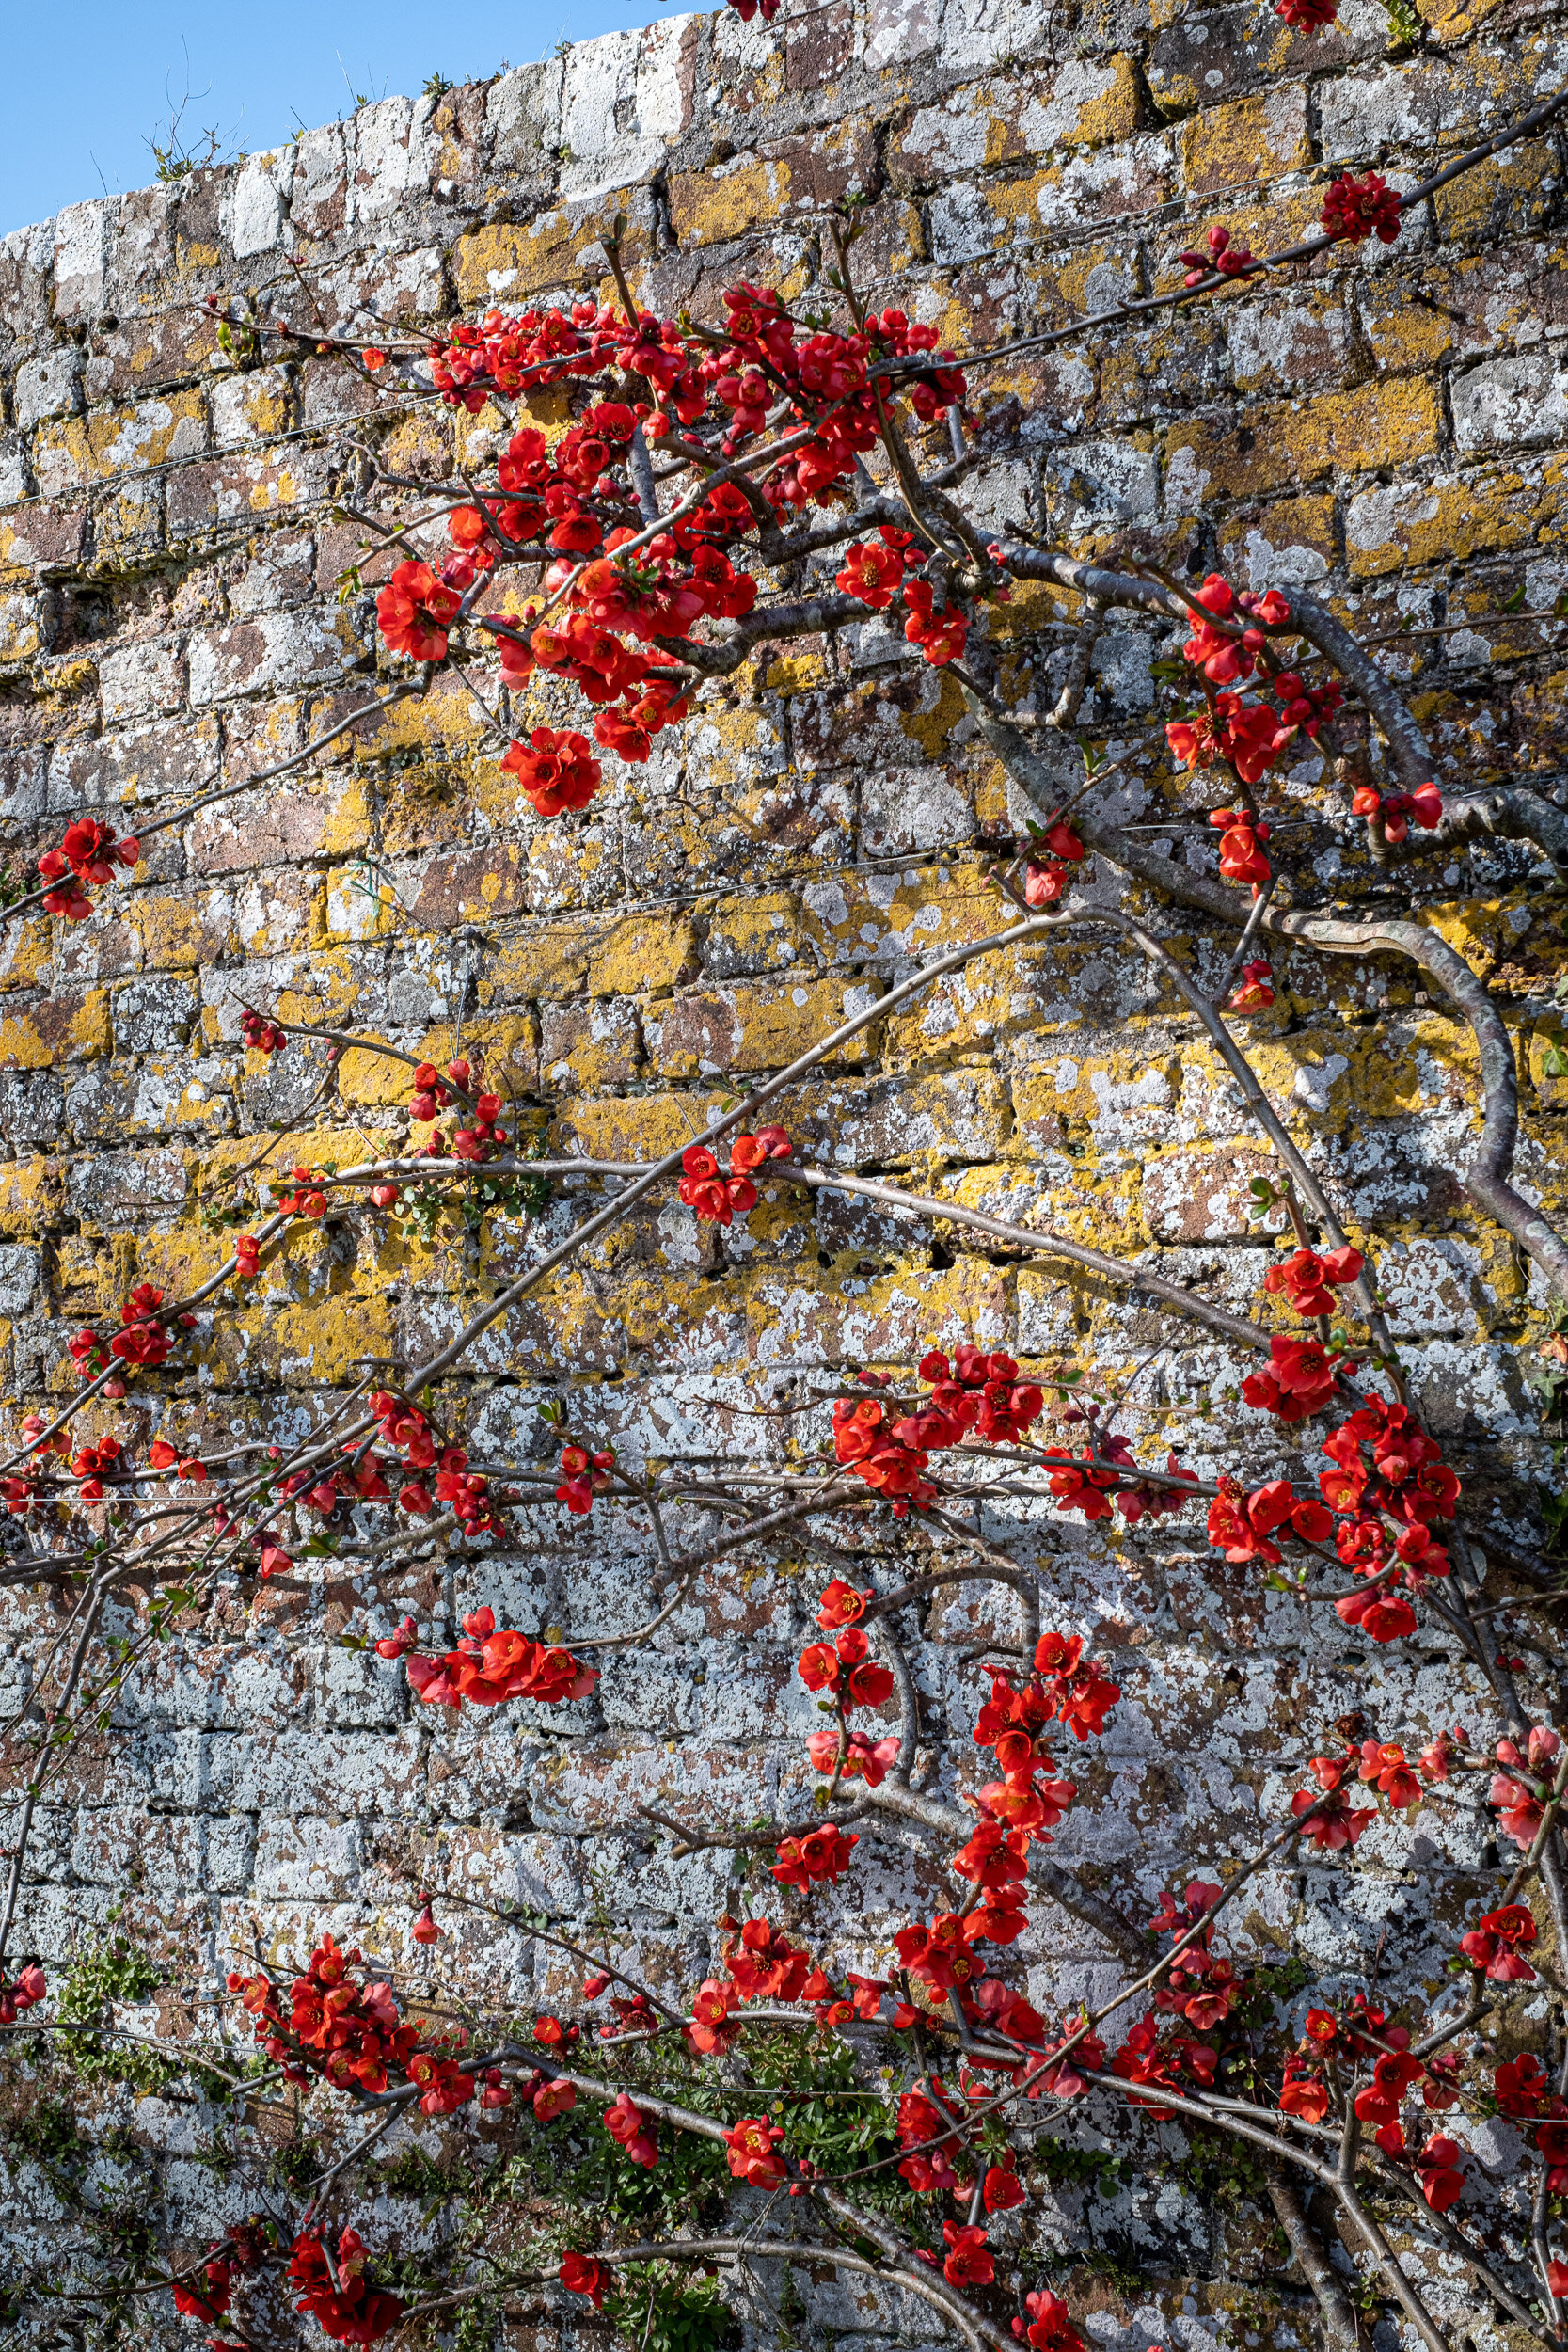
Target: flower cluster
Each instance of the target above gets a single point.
(476, 1133)
(615, 579)
(1357, 209)
(555, 768)
(88, 854)
(844, 1669)
(720, 1198)
(1522, 1790)
(1299, 1381)
(416, 611)
(1048, 2327)
(1250, 737)
(488, 1666)
(975, 1396)
(1406, 1480)
(1392, 812)
(875, 573)
(1218, 254)
(347, 2032)
(261, 1035)
(583, 1475)
(1152, 2055)
(142, 1343)
(753, 2150)
(1308, 1281)
(821, 1854)
(337, 2295)
(1201, 1986)
(23, 1992)
(1045, 879)
(1106, 1478)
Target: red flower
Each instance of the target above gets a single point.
(415, 610)
(1049, 2329)
(1308, 16)
(1384, 1767)
(555, 769)
(969, 2259)
(1494, 1943)
(1256, 989)
(1442, 2182)
(842, 1604)
(1354, 209)
(1522, 2085)
(871, 573)
(1307, 2096)
(753, 2147)
(345, 2306)
(864, 1759)
(626, 2124)
(1299, 1381)
(822, 1854)
(1338, 1822)
(1305, 1278)
(211, 2304)
(582, 2275)
(1382, 1616)
(1004, 2189)
(1242, 857)
(1230, 261)
(939, 635)
(1249, 735)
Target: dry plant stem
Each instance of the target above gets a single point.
(1126, 1275)
(1312, 2259)
(249, 784)
(1436, 2229)
(802, 2251)
(92, 1603)
(670, 1166)
(1389, 2267)
(1525, 127)
(975, 2330)
(1486, 1181)
(1263, 1111)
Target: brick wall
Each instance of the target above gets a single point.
(1389, 429)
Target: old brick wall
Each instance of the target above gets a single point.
(1389, 430)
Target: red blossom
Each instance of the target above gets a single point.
(751, 2148)
(580, 2275)
(1357, 209)
(632, 2131)
(821, 1854)
(337, 2296)
(415, 611)
(1048, 2328)
(1308, 1281)
(969, 2259)
(1493, 1944)
(556, 770)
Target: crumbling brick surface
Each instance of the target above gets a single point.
(178, 606)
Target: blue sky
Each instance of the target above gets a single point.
(76, 112)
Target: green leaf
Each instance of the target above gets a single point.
(1517, 601)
